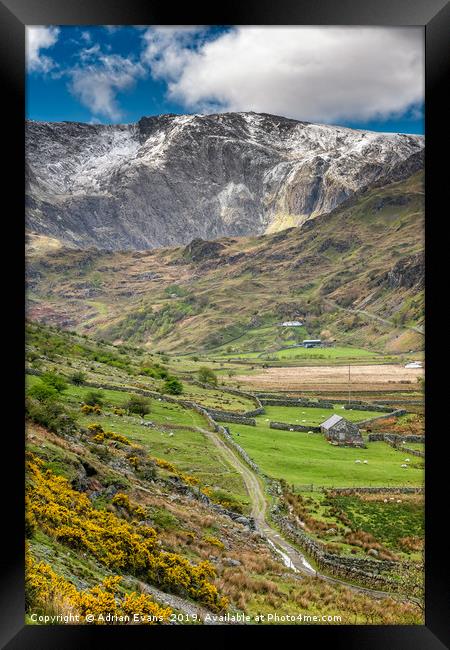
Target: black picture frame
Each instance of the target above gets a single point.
(434, 16)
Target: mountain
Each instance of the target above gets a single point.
(354, 274)
(169, 179)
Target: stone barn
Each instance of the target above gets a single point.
(338, 429)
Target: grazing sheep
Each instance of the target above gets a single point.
(407, 460)
(404, 466)
(357, 461)
(291, 429)
(365, 462)
(170, 435)
(384, 500)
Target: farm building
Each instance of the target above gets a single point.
(340, 430)
(312, 343)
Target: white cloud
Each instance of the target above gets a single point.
(37, 39)
(100, 78)
(86, 36)
(308, 73)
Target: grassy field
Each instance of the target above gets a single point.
(190, 451)
(338, 353)
(310, 416)
(303, 458)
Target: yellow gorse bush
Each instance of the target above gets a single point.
(123, 501)
(100, 435)
(48, 591)
(215, 542)
(69, 516)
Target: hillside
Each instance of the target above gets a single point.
(353, 275)
(169, 179)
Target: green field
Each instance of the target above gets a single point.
(190, 451)
(338, 352)
(310, 416)
(303, 458)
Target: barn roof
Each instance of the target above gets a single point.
(334, 419)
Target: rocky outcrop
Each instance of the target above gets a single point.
(407, 273)
(171, 179)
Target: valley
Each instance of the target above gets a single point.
(220, 418)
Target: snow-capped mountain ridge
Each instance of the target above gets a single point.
(170, 178)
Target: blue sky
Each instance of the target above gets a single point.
(369, 78)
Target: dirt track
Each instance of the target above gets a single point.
(292, 557)
(383, 377)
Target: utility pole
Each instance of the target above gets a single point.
(349, 384)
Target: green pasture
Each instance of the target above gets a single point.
(302, 458)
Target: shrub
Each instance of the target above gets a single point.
(137, 404)
(78, 378)
(51, 414)
(54, 380)
(42, 392)
(94, 397)
(207, 376)
(87, 409)
(173, 386)
(118, 411)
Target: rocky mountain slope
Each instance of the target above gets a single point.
(364, 258)
(169, 179)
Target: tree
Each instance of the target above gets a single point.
(52, 379)
(94, 398)
(207, 376)
(78, 378)
(173, 386)
(137, 404)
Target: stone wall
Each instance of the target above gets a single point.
(353, 406)
(293, 427)
(367, 572)
(393, 437)
(234, 418)
(393, 414)
(292, 401)
(396, 441)
(234, 391)
(376, 490)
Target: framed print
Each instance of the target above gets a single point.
(232, 417)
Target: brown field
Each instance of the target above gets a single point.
(363, 378)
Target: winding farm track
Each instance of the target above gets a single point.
(415, 328)
(292, 557)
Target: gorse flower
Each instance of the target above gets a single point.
(69, 516)
(46, 590)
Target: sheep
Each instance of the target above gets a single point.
(170, 434)
(407, 460)
(357, 461)
(404, 466)
(365, 461)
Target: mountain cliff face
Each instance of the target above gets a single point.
(169, 179)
